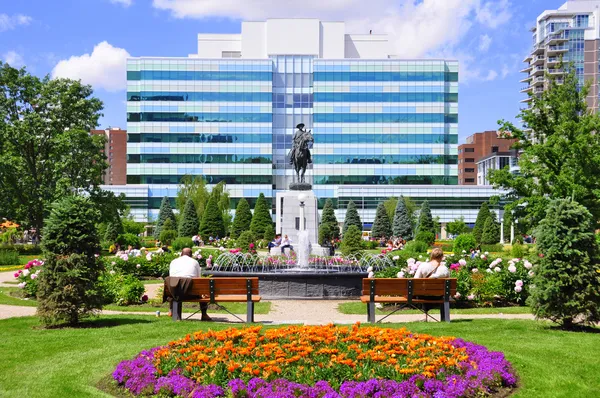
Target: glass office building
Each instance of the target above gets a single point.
(229, 112)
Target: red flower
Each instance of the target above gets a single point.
(144, 298)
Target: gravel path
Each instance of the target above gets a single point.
(7, 276)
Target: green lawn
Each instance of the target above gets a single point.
(70, 362)
(153, 306)
(358, 308)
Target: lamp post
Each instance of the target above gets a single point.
(512, 227)
(302, 199)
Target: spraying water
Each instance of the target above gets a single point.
(303, 249)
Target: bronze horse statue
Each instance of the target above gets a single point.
(300, 153)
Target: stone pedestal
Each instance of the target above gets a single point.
(288, 216)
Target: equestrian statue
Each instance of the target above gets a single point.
(300, 153)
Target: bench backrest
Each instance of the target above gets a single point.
(211, 287)
(406, 287)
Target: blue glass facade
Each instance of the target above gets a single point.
(375, 122)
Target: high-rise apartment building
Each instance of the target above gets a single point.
(482, 152)
(228, 113)
(570, 34)
(115, 149)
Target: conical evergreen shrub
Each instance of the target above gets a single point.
(352, 218)
(189, 224)
(242, 220)
(328, 218)
(166, 211)
(261, 218)
(212, 220)
(491, 231)
(482, 217)
(381, 226)
(402, 225)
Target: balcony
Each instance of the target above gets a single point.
(557, 49)
(538, 49)
(556, 72)
(526, 89)
(526, 100)
(538, 71)
(538, 81)
(553, 60)
(538, 90)
(526, 70)
(538, 60)
(528, 58)
(526, 80)
(556, 39)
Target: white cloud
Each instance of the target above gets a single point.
(416, 28)
(494, 13)
(13, 58)
(505, 71)
(8, 22)
(124, 3)
(484, 42)
(103, 68)
(492, 75)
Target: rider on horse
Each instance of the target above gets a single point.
(300, 143)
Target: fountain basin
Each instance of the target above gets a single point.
(302, 284)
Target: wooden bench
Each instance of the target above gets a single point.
(408, 293)
(220, 290)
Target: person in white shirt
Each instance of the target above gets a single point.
(434, 268)
(186, 267)
(286, 243)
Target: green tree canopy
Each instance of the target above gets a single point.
(566, 280)
(402, 224)
(381, 226)
(352, 241)
(242, 220)
(352, 218)
(212, 221)
(223, 202)
(457, 227)
(194, 188)
(491, 231)
(560, 148)
(189, 224)
(261, 218)
(165, 212)
(46, 151)
(482, 216)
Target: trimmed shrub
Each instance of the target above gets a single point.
(111, 233)
(518, 250)
(9, 257)
(352, 218)
(189, 224)
(497, 248)
(352, 241)
(567, 281)
(129, 240)
(425, 223)
(324, 233)
(244, 241)
(261, 218)
(426, 237)
(381, 226)
(402, 225)
(23, 249)
(415, 246)
(167, 236)
(132, 227)
(182, 242)
(464, 242)
(269, 234)
(491, 231)
(243, 218)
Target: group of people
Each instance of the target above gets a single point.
(283, 243)
(392, 243)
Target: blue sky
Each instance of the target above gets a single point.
(90, 39)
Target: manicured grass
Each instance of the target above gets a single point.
(153, 281)
(152, 306)
(550, 363)
(358, 308)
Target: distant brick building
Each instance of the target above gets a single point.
(479, 146)
(115, 150)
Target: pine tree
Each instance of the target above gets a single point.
(242, 220)
(352, 218)
(482, 217)
(261, 218)
(491, 231)
(165, 212)
(212, 220)
(566, 280)
(328, 218)
(381, 226)
(269, 233)
(402, 226)
(189, 223)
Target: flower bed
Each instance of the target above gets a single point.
(27, 277)
(316, 361)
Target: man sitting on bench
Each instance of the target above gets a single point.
(275, 242)
(432, 269)
(186, 267)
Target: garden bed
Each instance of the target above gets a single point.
(319, 361)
